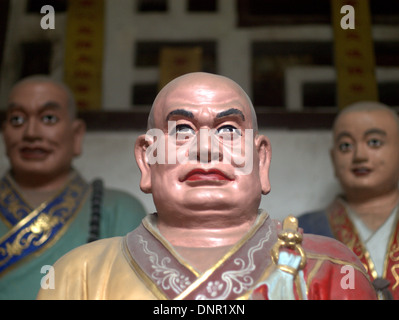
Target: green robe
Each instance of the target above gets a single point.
(120, 213)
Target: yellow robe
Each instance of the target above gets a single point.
(92, 267)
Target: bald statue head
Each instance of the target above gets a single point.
(366, 106)
(41, 134)
(201, 116)
(202, 81)
(44, 79)
(365, 153)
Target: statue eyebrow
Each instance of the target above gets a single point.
(368, 132)
(180, 112)
(375, 130)
(230, 112)
(343, 134)
(46, 105)
(12, 105)
(190, 115)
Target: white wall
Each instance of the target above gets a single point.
(301, 174)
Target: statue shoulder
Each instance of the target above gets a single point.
(83, 268)
(319, 247)
(91, 251)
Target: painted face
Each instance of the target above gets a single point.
(366, 152)
(208, 120)
(39, 134)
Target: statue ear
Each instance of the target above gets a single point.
(140, 150)
(79, 131)
(332, 157)
(264, 149)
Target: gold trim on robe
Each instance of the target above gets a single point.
(169, 276)
(13, 206)
(36, 230)
(344, 230)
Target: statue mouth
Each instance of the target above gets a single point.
(207, 175)
(361, 171)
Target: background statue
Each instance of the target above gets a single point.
(46, 206)
(365, 156)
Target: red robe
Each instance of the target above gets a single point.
(334, 222)
(332, 272)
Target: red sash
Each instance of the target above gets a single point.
(170, 277)
(344, 230)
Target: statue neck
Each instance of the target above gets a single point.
(202, 236)
(374, 211)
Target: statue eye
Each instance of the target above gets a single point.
(228, 132)
(345, 147)
(184, 129)
(183, 132)
(50, 119)
(374, 143)
(17, 120)
(229, 129)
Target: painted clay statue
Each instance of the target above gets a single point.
(206, 166)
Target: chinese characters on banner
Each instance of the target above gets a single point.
(84, 52)
(176, 61)
(354, 54)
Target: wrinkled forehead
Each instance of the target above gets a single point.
(204, 92)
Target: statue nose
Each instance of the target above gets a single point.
(206, 147)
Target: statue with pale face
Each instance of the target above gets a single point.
(207, 166)
(365, 157)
